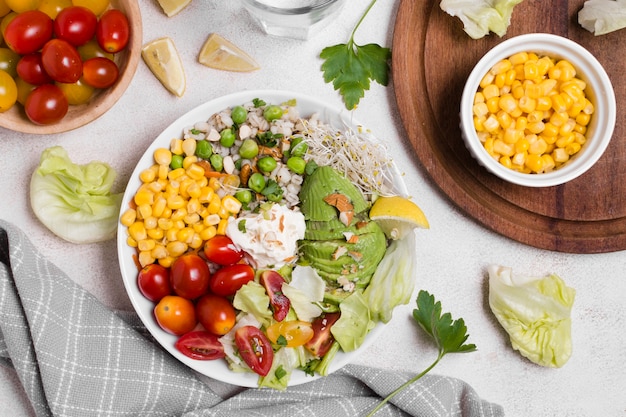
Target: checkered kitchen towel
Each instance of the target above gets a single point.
(74, 357)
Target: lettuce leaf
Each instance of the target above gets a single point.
(252, 298)
(394, 280)
(74, 201)
(480, 17)
(603, 16)
(353, 324)
(535, 312)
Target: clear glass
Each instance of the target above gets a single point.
(297, 19)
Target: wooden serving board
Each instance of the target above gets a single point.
(432, 57)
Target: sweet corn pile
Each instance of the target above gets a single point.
(176, 209)
(531, 113)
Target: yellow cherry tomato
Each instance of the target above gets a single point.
(77, 93)
(8, 91)
(4, 9)
(53, 7)
(96, 6)
(290, 333)
(23, 90)
(20, 6)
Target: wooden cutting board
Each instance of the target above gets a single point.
(432, 57)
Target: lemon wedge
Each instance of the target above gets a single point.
(163, 60)
(221, 54)
(397, 216)
(173, 7)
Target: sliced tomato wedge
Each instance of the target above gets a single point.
(255, 349)
(322, 338)
(200, 345)
(273, 283)
(290, 333)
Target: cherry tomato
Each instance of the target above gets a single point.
(100, 72)
(255, 349)
(96, 6)
(200, 345)
(273, 283)
(113, 31)
(8, 61)
(222, 251)
(20, 6)
(61, 61)
(190, 275)
(92, 50)
(8, 91)
(290, 333)
(322, 338)
(216, 314)
(154, 282)
(227, 280)
(4, 9)
(28, 32)
(23, 90)
(175, 314)
(46, 104)
(53, 7)
(5, 22)
(30, 69)
(77, 93)
(75, 24)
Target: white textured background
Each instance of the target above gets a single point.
(453, 254)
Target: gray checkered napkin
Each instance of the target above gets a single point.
(74, 357)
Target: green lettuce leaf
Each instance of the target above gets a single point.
(252, 298)
(603, 16)
(480, 17)
(535, 312)
(354, 323)
(74, 201)
(394, 280)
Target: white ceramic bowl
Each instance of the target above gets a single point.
(218, 369)
(599, 91)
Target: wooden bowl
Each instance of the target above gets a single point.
(79, 115)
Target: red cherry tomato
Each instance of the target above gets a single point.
(28, 32)
(222, 251)
(113, 31)
(154, 282)
(200, 345)
(100, 72)
(46, 104)
(190, 275)
(76, 25)
(61, 61)
(30, 69)
(176, 315)
(273, 283)
(322, 338)
(228, 279)
(216, 314)
(255, 349)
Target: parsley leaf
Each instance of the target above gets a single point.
(351, 67)
(449, 336)
(268, 138)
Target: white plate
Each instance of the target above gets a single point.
(218, 369)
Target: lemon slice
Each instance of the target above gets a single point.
(397, 216)
(163, 60)
(219, 53)
(173, 7)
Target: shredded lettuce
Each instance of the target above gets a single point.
(75, 201)
(535, 312)
(354, 323)
(394, 280)
(480, 17)
(603, 16)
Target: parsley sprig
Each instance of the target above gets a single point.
(449, 336)
(351, 67)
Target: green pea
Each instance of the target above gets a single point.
(266, 164)
(298, 147)
(296, 164)
(238, 114)
(249, 149)
(245, 196)
(203, 149)
(256, 182)
(217, 162)
(272, 113)
(177, 162)
(227, 138)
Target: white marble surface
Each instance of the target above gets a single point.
(453, 254)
